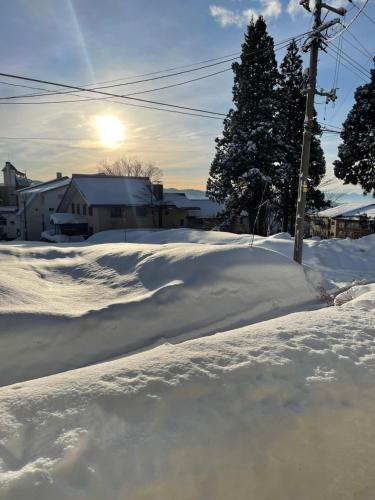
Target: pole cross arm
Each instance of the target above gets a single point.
(337, 10)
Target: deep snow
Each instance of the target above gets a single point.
(66, 307)
(278, 410)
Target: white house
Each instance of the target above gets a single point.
(36, 204)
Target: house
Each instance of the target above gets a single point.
(8, 222)
(36, 204)
(13, 180)
(351, 220)
(196, 214)
(111, 202)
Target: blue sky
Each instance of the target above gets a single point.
(87, 41)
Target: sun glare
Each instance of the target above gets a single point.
(110, 130)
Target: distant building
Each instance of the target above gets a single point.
(351, 220)
(13, 180)
(36, 204)
(118, 202)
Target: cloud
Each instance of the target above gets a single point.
(226, 17)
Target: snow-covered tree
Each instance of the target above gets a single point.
(292, 103)
(356, 163)
(242, 171)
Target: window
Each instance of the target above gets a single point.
(51, 209)
(84, 209)
(73, 208)
(116, 212)
(78, 208)
(90, 211)
(182, 222)
(3, 221)
(140, 211)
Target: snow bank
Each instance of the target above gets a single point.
(336, 262)
(283, 409)
(62, 307)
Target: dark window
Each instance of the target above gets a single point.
(140, 211)
(182, 222)
(78, 208)
(73, 208)
(51, 209)
(116, 212)
(12, 221)
(84, 209)
(3, 221)
(90, 211)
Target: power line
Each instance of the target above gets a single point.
(363, 12)
(350, 60)
(47, 82)
(365, 51)
(83, 89)
(346, 26)
(358, 71)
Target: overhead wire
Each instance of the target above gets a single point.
(84, 89)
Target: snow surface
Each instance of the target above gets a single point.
(63, 307)
(281, 408)
(330, 263)
(278, 410)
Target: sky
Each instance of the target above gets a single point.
(81, 42)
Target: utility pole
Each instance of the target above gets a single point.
(313, 43)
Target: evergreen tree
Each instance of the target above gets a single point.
(356, 163)
(292, 103)
(242, 171)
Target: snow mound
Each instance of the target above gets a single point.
(283, 409)
(166, 236)
(62, 307)
(361, 296)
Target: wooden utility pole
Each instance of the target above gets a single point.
(313, 43)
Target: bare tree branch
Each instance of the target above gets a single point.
(132, 167)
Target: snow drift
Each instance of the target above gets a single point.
(62, 307)
(283, 409)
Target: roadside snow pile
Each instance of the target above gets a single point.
(336, 262)
(283, 409)
(339, 261)
(63, 307)
(166, 236)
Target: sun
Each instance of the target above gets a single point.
(110, 130)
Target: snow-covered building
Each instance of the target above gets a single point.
(120, 202)
(200, 213)
(350, 220)
(36, 204)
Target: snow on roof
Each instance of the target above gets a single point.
(45, 186)
(8, 208)
(349, 210)
(108, 190)
(180, 200)
(65, 218)
(199, 207)
(208, 208)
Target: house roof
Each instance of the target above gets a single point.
(45, 186)
(9, 165)
(114, 190)
(179, 200)
(350, 210)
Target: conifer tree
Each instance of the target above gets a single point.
(292, 103)
(356, 163)
(242, 171)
